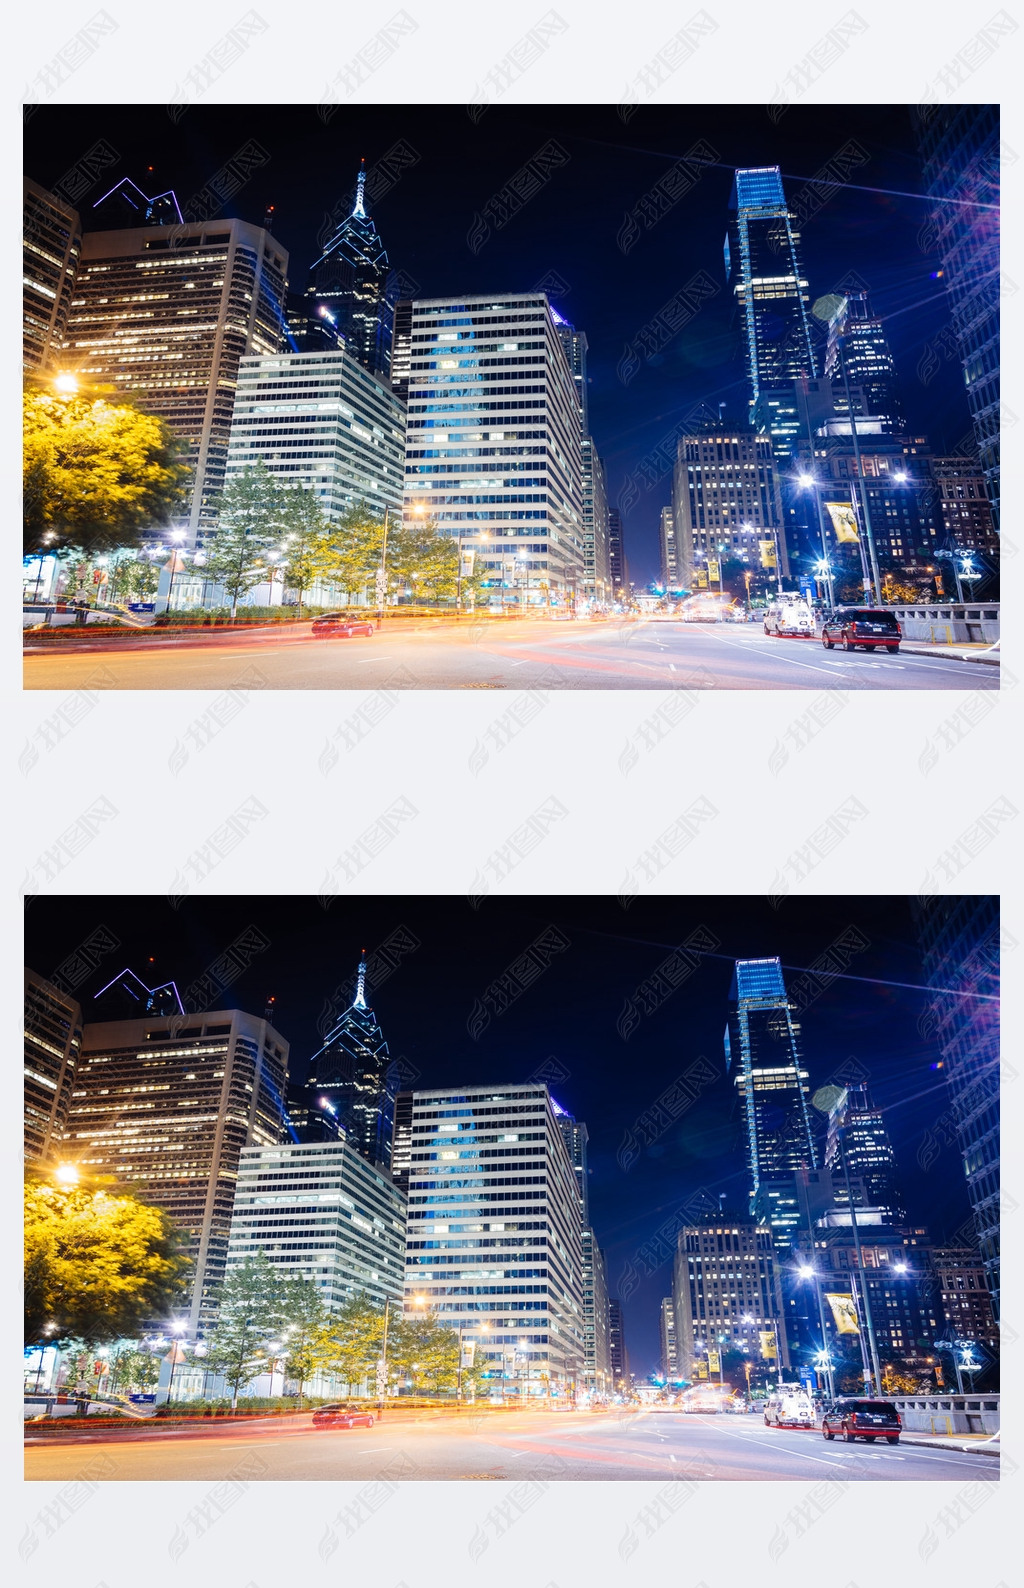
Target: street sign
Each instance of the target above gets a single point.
(380, 584)
(382, 1379)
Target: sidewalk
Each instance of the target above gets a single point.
(957, 653)
(978, 1444)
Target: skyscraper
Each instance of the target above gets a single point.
(355, 1074)
(959, 145)
(596, 568)
(52, 245)
(493, 452)
(164, 314)
(617, 567)
(959, 939)
(318, 1210)
(762, 1049)
(858, 356)
(725, 1289)
(164, 1105)
(53, 1041)
(669, 1353)
(762, 262)
(865, 1153)
(669, 553)
(726, 502)
(617, 1352)
(494, 1230)
(350, 282)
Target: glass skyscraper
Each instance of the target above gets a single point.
(762, 1049)
(726, 502)
(53, 1041)
(869, 1158)
(52, 246)
(354, 1074)
(858, 349)
(762, 262)
(349, 283)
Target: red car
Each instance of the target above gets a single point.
(341, 1417)
(864, 626)
(862, 1419)
(339, 623)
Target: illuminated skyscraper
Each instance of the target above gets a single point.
(617, 1352)
(858, 357)
(356, 1076)
(349, 282)
(617, 567)
(52, 245)
(869, 1158)
(762, 1049)
(726, 502)
(164, 1105)
(164, 314)
(53, 1040)
(725, 1290)
(669, 1354)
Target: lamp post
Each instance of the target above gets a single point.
(382, 596)
(176, 535)
(808, 482)
(808, 1271)
(874, 582)
(176, 1346)
(865, 1297)
(382, 1369)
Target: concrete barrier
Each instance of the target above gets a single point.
(950, 623)
(950, 1414)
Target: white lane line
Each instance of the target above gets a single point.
(368, 659)
(762, 1443)
(815, 667)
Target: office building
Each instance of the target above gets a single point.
(669, 554)
(725, 1291)
(963, 506)
(596, 569)
(959, 938)
(493, 451)
(726, 503)
(959, 146)
(618, 1355)
(494, 1231)
(669, 1353)
(53, 1042)
(354, 1075)
(164, 1105)
(858, 1146)
(319, 1211)
(127, 996)
(894, 497)
(764, 268)
(163, 315)
(618, 568)
(318, 420)
(51, 248)
(964, 1298)
(349, 284)
(858, 359)
(597, 1362)
(311, 1118)
(902, 1298)
(576, 1136)
(763, 1053)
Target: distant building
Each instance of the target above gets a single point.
(964, 1296)
(858, 356)
(617, 566)
(353, 1073)
(725, 1291)
(53, 1042)
(597, 1369)
(350, 285)
(310, 1118)
(494, 1231)
(726, 503)
(959, 937)
(617, 1352)
(963, 506)
(164, 315)
(895, 495)
(52, 246)
(493, 450)
(959, 146)
(857, 1133)
(669, 1353)
(319, 1211)
(669, 554)
(901, 1294)
(164, 1105)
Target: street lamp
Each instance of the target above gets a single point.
(66, 1174)
(808, 1271)
(807, 482)
(176, 535)
(66, 385)
(176, 1346)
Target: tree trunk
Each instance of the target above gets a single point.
(234, 604)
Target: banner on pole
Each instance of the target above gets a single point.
(844, 1313)
(844, 524)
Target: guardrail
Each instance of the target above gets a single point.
(950, 623)
(950, 1414)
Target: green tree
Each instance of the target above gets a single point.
(306, 1331)
(428, 1351)
(98, 1263)
(97, 474)
(248, 1318)
(357, 539)
(132, 578)
(248, 522)
(306, 539)
(133, 1369)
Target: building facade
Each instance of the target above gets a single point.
(858, 1145)
(618, 1354)
(53, 1043)
(669, 1351)
(319, 1211)
(726, 503)
(669, 552)
(618, 570)
(494, 1231)
(164, 1105)
(858, 359)
(963, 506)
(355, 1076)
(959, 939)
(725, 1291)
(318, 420)
(164, 314)
(349, 285)
(895, 1287)
(763, 1053)
(959, 146)
(51, 249)
(964, 1298)
(493, 450)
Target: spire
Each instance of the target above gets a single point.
(359, 1001)
(360, 209)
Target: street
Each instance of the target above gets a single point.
(619, 1443)
(514, 654)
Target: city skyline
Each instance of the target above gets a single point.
(657, 1015)
(656, 222)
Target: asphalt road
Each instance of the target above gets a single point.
(515, 654)
(515, 1445)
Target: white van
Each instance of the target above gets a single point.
(789, 1407)
(789, 617)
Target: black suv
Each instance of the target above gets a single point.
(862, 1419)
(865, 626)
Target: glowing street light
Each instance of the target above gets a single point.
(66, 385)
(66, 1174)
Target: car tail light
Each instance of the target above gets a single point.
(853, 1417)
(899, 1420)
(899, 632)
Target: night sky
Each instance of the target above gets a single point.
(868, 235)
(582, 1022)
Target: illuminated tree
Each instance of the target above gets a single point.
(249, 1316)
(305, 1320)
(97, 474)
(99, 1264)
(306, 539)
(249, 521)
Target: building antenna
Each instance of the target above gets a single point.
(360, 207)
(359, 1002)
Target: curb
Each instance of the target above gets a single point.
(952, 655)
(941, 1444)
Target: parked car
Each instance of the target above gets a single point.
(789, 617)
(789, 1407)
(340, 624)
(341, 1416)
(868, 627)
(862, 1419)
